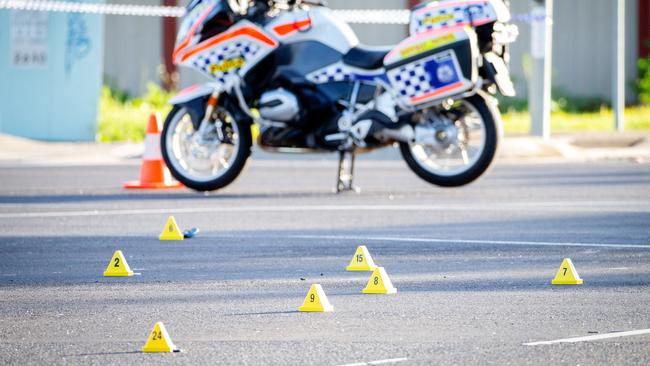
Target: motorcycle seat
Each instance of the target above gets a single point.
(365, 57)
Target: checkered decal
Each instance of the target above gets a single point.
(419, 23)
(428, 78)
(217, 55)
(410, 80)
(341, 72)
(336, 72)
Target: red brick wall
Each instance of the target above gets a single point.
(644, 28)
(169, 39)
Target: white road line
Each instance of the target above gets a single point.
(378, 362)
(530, 206)
(591, 338)
(383, 362)
(466, 241)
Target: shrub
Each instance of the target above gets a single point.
(122, 118)
(643, 82)
(563, 101)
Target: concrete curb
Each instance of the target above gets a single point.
(584, 147)
(17, 151)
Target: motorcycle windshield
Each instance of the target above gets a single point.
(197, 13)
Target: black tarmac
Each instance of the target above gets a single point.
(472, 266)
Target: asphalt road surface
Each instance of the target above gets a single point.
(472, 267)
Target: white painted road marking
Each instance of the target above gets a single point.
(383, 362)
(609, 206)
(466, 241)
(591, 338)
(378, 362)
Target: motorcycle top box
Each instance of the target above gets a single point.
(433, 65)
(452, 13)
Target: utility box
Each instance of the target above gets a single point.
(50, 74)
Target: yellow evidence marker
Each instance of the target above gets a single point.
(171, 230)
(159, 340)
(379, 283)
(316, 300)
(567, 274)
(362, 261)
(118, 267)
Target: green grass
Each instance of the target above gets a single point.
(124, 119)
(636, 118)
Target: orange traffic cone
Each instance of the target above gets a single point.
(153, 172)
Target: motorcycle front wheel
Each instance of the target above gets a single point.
(212, 160)
(463, 145)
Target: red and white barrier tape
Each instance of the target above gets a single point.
(355, 16)
(91, 8)
(351, 16)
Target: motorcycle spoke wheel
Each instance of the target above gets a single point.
(449, 158)
(200, 158)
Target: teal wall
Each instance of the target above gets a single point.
(58, 100)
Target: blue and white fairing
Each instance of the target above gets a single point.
(317, 24)
(319, 27)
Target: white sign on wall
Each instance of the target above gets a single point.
(28, 42)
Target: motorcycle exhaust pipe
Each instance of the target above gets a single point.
(405, 133)
(382, 128)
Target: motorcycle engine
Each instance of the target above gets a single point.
(279, 105)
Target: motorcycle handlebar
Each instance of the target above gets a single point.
(311, 2)
(293, 3)
(315, 2)
(261, 7)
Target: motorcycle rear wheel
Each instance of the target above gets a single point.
(207, 163)
(429, 167)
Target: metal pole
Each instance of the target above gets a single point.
(618, 74)
(539, 91)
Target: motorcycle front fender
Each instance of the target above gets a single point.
(193, 99)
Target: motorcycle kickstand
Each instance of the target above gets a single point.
(344, 180)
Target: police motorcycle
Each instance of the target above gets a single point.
(300, 74)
